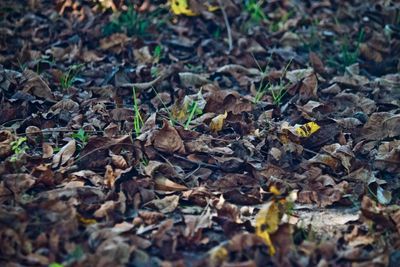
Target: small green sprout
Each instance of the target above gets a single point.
(157, 53)
(254, 8)
(192, 111)
(277, 91)
(129, 22)
(81, 136)
(137, 119)
(19, 147)
(68, 78)
(347, 56)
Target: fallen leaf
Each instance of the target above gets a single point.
(36, 86)
(167, 139)
(165, 184)
(306, 130)
(65, 154)
(181, 7)
(217, 122)
(166, 204)
(267, 222)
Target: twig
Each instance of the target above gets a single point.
(228, 27)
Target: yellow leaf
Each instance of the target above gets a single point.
(212, 8)
(218, 255)
(274, 190)
(306, 130)
(181, 7)
(217, 122)
(267, 222)
(84, 220)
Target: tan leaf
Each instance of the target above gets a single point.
(165, 184)
(65, 153)
(167, 139)
(316, 63)
(47, 150)
(167, 204)
(36, 86)
(6, 137)
(217, 122)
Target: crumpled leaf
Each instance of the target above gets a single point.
(306, 130)
(217, 122)
(267, 222)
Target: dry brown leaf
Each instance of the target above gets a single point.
(36, 86)
(65, 154)
(168, 140)
(6, 137)
(65, 105)
(18, 183)
(115, 41)
(34, 134)
(119, 162)
(316, 63)
(166, 204)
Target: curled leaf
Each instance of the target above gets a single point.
(165, 184)
(217, 122)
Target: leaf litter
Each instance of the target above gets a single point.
(189, 133)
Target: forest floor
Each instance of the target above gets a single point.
(229, 133)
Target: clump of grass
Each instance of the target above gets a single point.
(347, 56)
(158, 52)
(277, 91)
(69, 77)
(81, 137)
(278, 25)
(129, 22)
(18, 147)
(192, 110)
(254, 8)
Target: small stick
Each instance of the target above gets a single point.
(228, 27)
